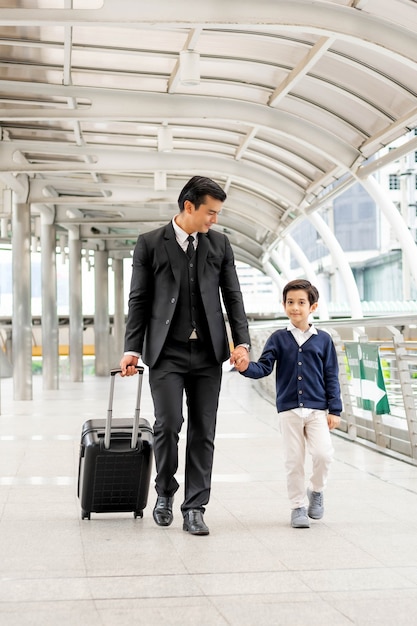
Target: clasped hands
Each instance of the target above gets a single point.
(240, 358)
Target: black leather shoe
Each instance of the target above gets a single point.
(162, 512)
(194, 523)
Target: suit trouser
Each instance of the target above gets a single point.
(297, 432)
(194, 373)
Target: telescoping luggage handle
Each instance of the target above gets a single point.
(135, 429)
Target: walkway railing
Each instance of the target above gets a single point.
(393, 432)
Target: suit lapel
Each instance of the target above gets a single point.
(202, 251)
(172, 247)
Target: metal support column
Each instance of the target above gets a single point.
(406, 387)
(101, 313)
(50, 331)
(398, 225)
(119, 315)
(22, 302)
(75, 308)
(348, 412)
(340, 262)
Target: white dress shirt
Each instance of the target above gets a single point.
(182, 236)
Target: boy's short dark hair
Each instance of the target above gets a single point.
(304, 285)
(197, 188)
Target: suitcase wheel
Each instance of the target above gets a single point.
(138, 514)
(85, 514)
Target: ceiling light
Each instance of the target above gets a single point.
(164, 139)
(160, 181)
(189, 67)
(359, 4)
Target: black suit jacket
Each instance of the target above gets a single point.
(155, 288)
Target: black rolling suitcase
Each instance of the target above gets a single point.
(115, 461)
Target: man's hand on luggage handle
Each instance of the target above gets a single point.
(128, 365)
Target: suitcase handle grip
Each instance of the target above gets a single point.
(135, 429)
(117, 370)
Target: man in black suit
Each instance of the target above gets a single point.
(175, 321)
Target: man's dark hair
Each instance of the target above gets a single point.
(197, 188)
(304, 285)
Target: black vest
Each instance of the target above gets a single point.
(189, 312)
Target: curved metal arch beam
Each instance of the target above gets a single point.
(307, 63)
(284, 269)
(240, 206)
(178, 108)
(340, 261)
(305, 264)
(344, 92)
(269, 269)
(291, 15)
(395, 220)
(243, 206)
(128, 160)
(18, 184)
(239, 238)
(257, 207)
(243, 256)
(297, 16)
(363, 172)
(130, 195)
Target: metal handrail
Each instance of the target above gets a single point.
(395, 433)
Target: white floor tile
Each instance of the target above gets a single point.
(356, 566)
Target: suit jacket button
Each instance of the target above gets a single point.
(167, 322)
(172, 300)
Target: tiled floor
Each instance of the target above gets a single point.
(356, 566)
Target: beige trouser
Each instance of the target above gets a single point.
(296, 432)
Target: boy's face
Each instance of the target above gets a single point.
(298, 308)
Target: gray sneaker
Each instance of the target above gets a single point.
(315, 506)
(299, 518)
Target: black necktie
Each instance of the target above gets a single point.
(190, 247)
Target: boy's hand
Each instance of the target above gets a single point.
(333, 421)
(241, 362)
(238, 353)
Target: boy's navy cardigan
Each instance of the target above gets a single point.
(306, 376)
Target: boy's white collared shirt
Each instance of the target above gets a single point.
(300, 336)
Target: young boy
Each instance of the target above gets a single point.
(308, 397)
